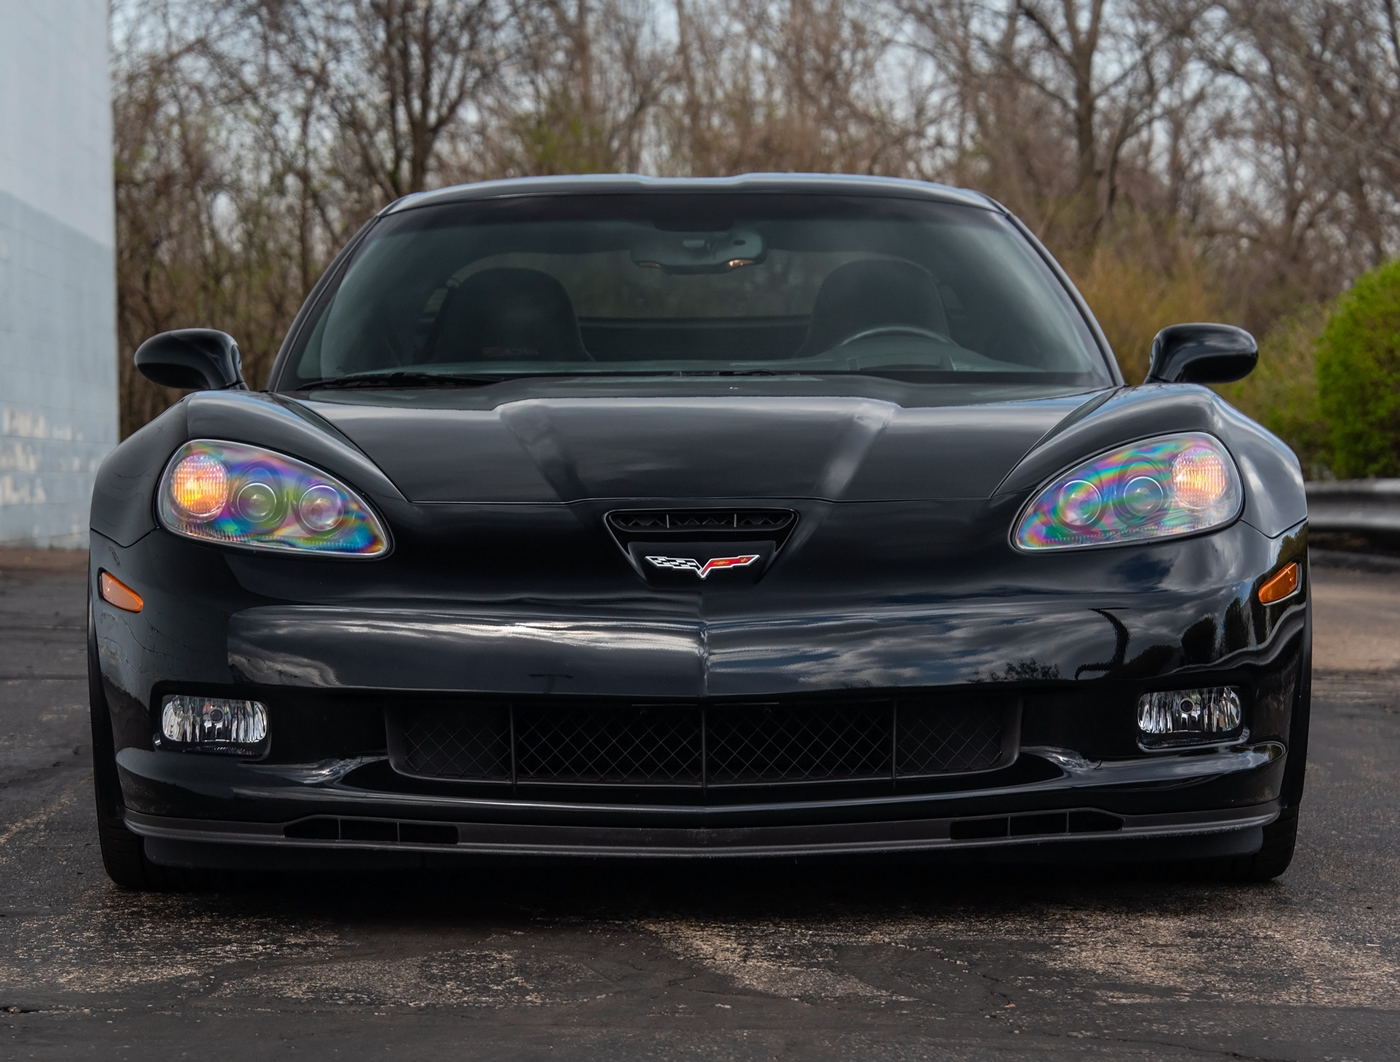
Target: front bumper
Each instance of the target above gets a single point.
(1212, 801)
(1073, 660)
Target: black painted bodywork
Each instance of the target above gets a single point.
(1202, 353)
(897, 577)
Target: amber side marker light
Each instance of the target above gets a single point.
(116, 592)
(1280, 586)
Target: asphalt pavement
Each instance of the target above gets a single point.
(868, 960)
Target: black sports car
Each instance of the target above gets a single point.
(632, 517)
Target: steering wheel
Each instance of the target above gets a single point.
(895, 330)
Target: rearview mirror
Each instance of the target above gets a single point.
(699, 252)
(198, 359)
(1202, 353)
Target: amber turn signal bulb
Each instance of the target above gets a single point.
(115, 592)
(1279, 586)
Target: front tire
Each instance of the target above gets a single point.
(123, 852)
(1272, 859)
(1281, 835)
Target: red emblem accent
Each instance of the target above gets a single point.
(688, 564)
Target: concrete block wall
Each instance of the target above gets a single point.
(58, 372)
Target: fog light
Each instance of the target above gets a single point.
(213, 724)
(1188, 717)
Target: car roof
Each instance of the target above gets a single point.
(817, 183)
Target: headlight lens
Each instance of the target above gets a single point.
(199, 486)
(246, 496)
(1172, 485)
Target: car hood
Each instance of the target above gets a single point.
(539, 448)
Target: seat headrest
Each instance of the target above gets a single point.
(505, 315)
(876, 293)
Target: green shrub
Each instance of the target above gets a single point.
(1281, 393)
(1358, 376)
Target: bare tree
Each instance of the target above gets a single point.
(397, 77)
(1318, 122)
(201, 227)
(1190, 156)
(1054, 93)
(797, 85)
(583, 90)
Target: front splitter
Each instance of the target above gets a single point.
(199, 842)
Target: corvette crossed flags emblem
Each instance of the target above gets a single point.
(688, 564)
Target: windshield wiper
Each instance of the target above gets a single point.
(401, 379)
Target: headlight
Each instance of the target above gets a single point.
(245, 496)
(1172, 485)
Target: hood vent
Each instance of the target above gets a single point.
(678, 548)
(702, 521)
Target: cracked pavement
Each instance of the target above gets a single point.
(877, 959)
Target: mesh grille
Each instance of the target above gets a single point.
(447, 743)
(627, 746)
(780, 743)
(694, 746)
(945, 740)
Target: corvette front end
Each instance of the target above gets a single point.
(681, 613)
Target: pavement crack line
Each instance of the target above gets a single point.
(35, 773)
(1204, 1052)
(42, 815)
(993, 985)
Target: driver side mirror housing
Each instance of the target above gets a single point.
(197, 359)
(1202, 353)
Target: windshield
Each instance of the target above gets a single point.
(711, 283)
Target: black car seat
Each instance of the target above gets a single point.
(876, 293)
(507, 315)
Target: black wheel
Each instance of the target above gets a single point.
(123, 852)
(1281, 835)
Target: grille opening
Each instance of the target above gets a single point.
(329, 828)
(605, 746)
(379, 776)
(640, 521)
(706, 520)
(977, 829)
(368, 830)
(688, 521)
(426, 833)
(469, 744)
(1093, 822)
(1030, 825)
(763, 521)
(754, 744)
(934, 741)
(699, 746)
(1040, 824)
(317, 829)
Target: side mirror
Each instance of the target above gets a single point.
(198, 359)
(1202, 353)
